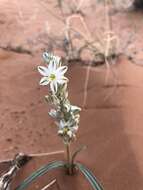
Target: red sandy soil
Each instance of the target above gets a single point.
(111, 122)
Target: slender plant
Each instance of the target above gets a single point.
(66, 117)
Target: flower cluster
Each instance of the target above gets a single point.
(66, 115)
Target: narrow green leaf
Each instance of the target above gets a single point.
(43, 170)
(58, 164)
(90, 177)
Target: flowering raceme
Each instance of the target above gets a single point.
(66, 115)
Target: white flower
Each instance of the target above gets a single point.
(53, 75)
(67, 126)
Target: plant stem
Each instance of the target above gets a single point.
(68, 152)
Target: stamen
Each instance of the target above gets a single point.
(65, 130)
(52, 77)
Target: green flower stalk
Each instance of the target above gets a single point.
(65, 114)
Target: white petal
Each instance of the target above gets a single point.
(62, 124)
(62, 80)
(44, 81)
(43, 70)
(60, 132)
(74, 129)
(58, 59)
(53, 113)
(58, 76)
(54, 86)
(75, 109)
(46, 56)
(62, 70)
(52, 66)
(69, 133)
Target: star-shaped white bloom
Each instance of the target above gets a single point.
(53, 75)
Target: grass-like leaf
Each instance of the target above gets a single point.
(43, 170)
(90, 177)
(59, 164)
